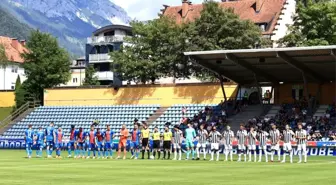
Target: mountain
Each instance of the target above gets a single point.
(11, 27)
(71, 21)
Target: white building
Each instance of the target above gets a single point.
(77, 73)
(10, 72)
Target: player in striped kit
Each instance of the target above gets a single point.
(252, 138)
(287, 146)
(202, 141)
(215, 137)
(177, 142)
(262, 137)
(228, 138)
(301, 136)
(275, 138)
(241, 136)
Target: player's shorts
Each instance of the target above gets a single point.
(241, 147)
(71, 144)
(29, 145)
(39, 145)
(287, 146)
(80, 144)
(176, 146)
(156, 144)
(166, 145)
(201, 145)
(302, 147)
(100, 145)
(252, 147)
(275, 147)
(122, 144)
(262, 147)
(228, 147)
(50, 143)
(145, 142)
(59, 145)
(108, 145)
(189, 144)
(214, 146)
(135, 145)
(92, 146)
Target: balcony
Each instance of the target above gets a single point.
(105, 39)
(104, 75)
(99, 58)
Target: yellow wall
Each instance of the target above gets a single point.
(7, 99)
(163, 95)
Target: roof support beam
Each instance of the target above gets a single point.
(251, 68)
(333, 53)
(219, 71)
(300, 67)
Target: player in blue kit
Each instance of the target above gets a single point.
(109, 135)
(50, 136)
(80, 141)
(29, 137)
(99, 141)
(72, 145)
(40, 139)
(135, 142)
(59, 142)
(92, 144)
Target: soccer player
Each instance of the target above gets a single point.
(287, 146)
(202, 141)
(59, 142)
(135, 142)
(29, 136)
(39, 141)
(190, 135)
(177, 142)
(275, 138)
(262, 137)
(72, 142)
(122, 141)
(99, 141)
(80, 142)
(301, 136)
(144, 140)
(215, 137)
(241, 136)
(109, 135)
(228, 138)
(167, 137)
(92, 145)
(252, 138)
(156, 142)
(50, 136)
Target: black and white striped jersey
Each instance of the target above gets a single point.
(252, 136)
(177, 136)
(275, 136)
(299, 134)
(215, 137)
(262, 138)
(241, 136)
(287, 136)
(203, 136)
(228, 135)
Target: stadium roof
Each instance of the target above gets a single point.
(112, 27)
(272, 65)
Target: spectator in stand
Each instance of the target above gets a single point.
(184, 111)
(267, 97)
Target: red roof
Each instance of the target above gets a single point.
(13, 49)
(269, 11)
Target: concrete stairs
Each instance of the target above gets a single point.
(16, 120)
(321, 110)
(156, 115)
(273, 111)
(248, 113)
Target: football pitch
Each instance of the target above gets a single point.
(16, 169)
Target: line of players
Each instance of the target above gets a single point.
(101, 142)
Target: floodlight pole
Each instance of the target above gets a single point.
(222, 85)
(258, 87)
(306, 93)
(271, 96)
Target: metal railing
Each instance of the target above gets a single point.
(18, 112)
(105, 39)
(102, 57)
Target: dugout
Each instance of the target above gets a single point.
(291, 72)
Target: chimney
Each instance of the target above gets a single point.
(23, 42)
(185, 8)
(15, 44)
(258, 5)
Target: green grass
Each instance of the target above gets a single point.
(4, 112)
(15, 169)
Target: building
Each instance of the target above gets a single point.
(9, 72)
(77, 73)
(103, 41)
(272, 16)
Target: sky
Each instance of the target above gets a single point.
(147, 9)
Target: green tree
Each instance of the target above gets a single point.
(90, 78)
(20, 93)
(46, 64)
(3, 63)
(315, 24)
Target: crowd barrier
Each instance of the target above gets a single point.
(314, 148)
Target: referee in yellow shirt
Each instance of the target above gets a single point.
(156, 142)
(167, 137)
(145, 140)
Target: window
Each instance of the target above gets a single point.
(12, 87)
(14, 69)
(74, 80)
